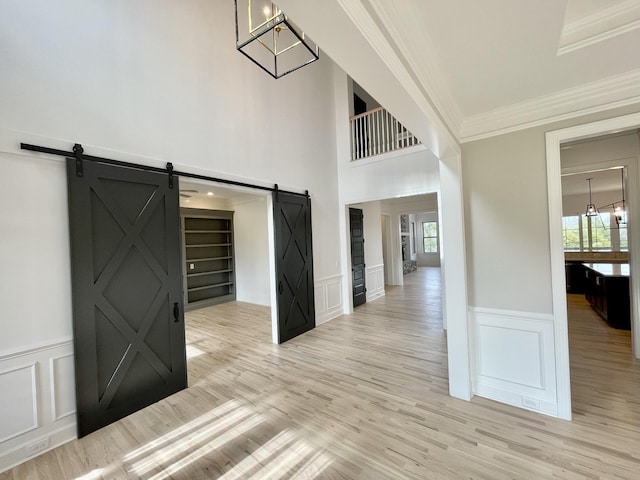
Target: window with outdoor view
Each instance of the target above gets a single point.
(571, 233)
(430, 237)
(601, 232)
(593, 234)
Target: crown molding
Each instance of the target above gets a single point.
(613, 92)
(367, 26)
(599, 26)
(434, 84)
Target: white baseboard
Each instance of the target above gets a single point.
(53, 439)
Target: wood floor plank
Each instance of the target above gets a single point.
(362, 397)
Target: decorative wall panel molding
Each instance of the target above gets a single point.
(38, 401)
(328, 293)
(19, 401)
(375, 282)
(62, 382)
(514, 358)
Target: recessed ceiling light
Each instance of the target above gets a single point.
(210, 194)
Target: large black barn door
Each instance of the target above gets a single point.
(356, 228)
(128, 322)
(294, 265)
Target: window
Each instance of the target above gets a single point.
(571, 233)
(624, 242)
(430, 237)
(601, 232)
(593, 234)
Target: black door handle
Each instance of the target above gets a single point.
(176, 312)
(280, 287)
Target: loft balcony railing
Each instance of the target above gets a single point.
(376, 132)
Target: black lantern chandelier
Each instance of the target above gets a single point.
(267, 37)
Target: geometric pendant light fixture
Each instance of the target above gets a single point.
(592, 211)
(267, 37)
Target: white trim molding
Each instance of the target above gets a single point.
(454, 277)
(36, 417)
(375, 282)
(431, 79)
(61, 377)
(612, 92)
(554, 189)
(21, 409)
(393, 155)
(328, 298)
(599, 26)
(514, 358)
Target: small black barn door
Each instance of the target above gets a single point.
(128, 323)
(294, 264)
(356, 227)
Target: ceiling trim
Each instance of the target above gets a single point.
(433, 82)
(363, 21)
(613, 92)
(600, 26)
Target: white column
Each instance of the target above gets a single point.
(454, 283)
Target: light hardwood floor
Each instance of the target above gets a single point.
(361, 397)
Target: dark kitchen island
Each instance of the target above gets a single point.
(607, 291)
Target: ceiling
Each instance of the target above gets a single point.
(198, 192)
(603, 181)
(493, 66)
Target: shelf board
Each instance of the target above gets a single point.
(209, 245)
(189, 260)
(207, 231)
(205, 287)
(210, 272)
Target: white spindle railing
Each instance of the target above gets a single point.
(377, 131)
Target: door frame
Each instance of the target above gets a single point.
(554, 189)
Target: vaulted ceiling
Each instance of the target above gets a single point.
(480, 68)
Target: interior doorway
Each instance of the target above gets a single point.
(554, 140)
(248, 270)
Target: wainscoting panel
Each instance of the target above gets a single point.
(19, 401)
(514, 358)
(37, 402)
(328, 297)
(62, 378)
(375, 282)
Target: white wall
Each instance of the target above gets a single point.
(599, 151)
(512, 322)
(155, 83)
(251, 244)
